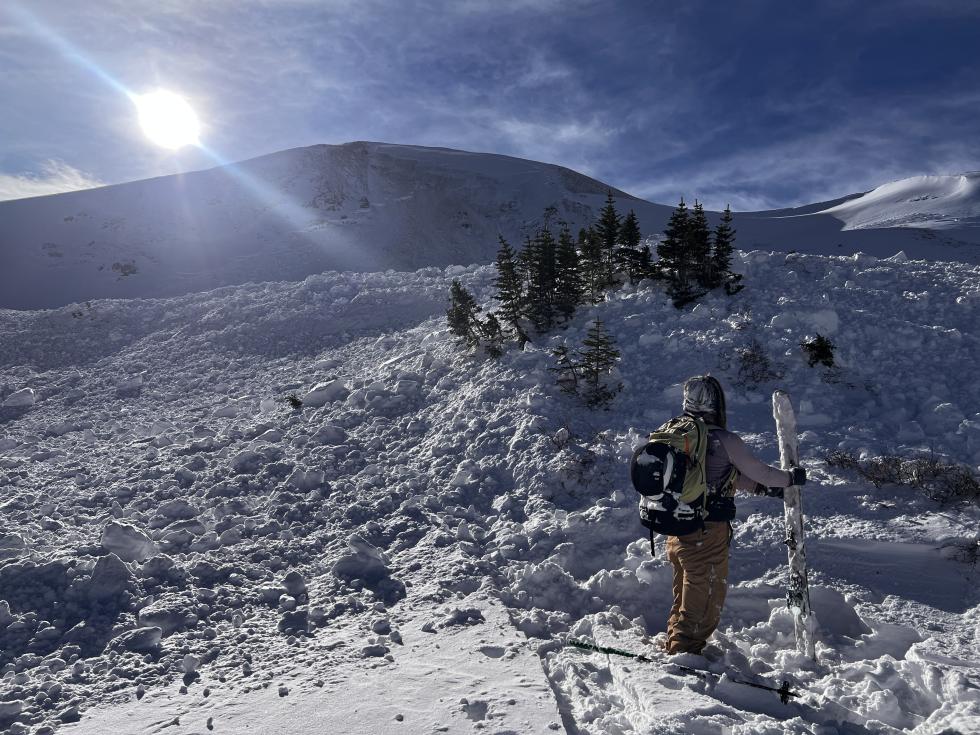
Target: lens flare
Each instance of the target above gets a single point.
(167, 119)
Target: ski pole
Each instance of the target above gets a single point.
(783, 690)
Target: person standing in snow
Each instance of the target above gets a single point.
(700, 559)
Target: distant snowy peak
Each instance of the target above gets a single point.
(933, 202)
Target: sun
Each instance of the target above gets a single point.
(167, 119)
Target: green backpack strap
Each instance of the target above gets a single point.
(689, 435)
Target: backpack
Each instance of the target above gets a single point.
(669, 473)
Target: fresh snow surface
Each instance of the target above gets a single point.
(374, 206)
(934, 202)
(442, 524)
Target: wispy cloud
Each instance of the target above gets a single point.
(54, 177)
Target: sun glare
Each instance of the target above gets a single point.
(167, 119)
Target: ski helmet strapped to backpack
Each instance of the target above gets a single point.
(668, 472)
(669, 469)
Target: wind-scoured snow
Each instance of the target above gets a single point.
(933, 202)
(182, 550)
(371, 207)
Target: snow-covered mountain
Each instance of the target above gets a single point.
(359, 206)
(183, 552)
(373, 206)
(932, 202)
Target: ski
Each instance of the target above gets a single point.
(783, 690)
(798, 594)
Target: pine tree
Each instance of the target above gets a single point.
(542, 271)
(607, 228)
(644, 263)
(592, 264)
(628, 254)
(596, 360)
(675, 260)
(494, 335)
(568, 278)
(510, 290)
(699, 245)
(721, 255)
(462, 315)
(567, 371)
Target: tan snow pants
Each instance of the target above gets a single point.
(700, 562)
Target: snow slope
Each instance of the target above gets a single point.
(933, 202)
(432, 492)
(374, 206)
(358, 206)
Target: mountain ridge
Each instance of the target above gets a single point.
(360, 206)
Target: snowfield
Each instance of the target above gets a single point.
(183, 552)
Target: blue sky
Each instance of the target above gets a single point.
(754, 102)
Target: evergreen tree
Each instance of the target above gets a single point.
(596, 360)
(494, 335)
(629, 256)
(542, 272)
(675, 258)
(567, 371)
(462, 315)
(593, 267)
(607, 228)
(510, 290)
(568, 279)
(699, 245)
(721, 255)
(644, 263)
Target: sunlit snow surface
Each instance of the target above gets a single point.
(472, 534)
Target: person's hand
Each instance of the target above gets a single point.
(770, 492)
(798, 476)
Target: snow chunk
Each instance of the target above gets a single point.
(23, 398)
(304, 479)
(365, 561)
(330, 435)
(127, 542)
(11, 545)
(323, 393)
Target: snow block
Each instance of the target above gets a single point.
(127, 542)
(324, 393)
(23, 398)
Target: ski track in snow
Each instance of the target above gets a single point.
(433, 490)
